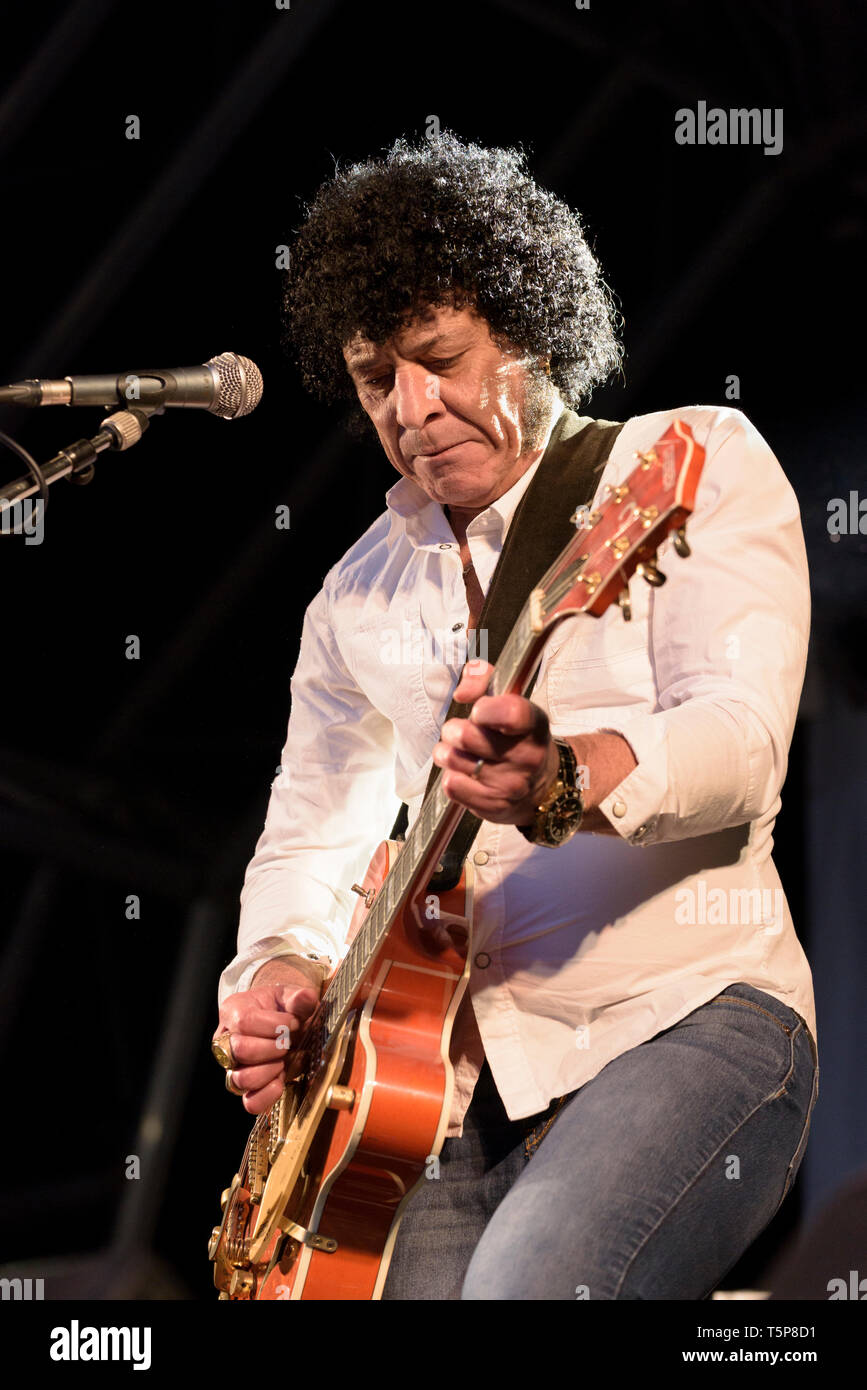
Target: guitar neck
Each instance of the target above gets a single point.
(428, 836)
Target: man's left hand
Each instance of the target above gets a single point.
(512, 735)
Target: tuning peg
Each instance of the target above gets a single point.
(648, 571)
(625, 605)
(583, 518)
(681, 544)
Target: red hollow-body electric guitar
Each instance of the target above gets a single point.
(314, 1210)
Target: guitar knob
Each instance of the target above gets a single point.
(655, 578)
(681, 544)
(340, 1098)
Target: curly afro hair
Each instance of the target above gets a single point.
(444, 222)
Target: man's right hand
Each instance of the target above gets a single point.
(260, 1022)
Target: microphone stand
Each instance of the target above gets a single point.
(77, 462)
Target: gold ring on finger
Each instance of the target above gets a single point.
(231, 1087)
(222, 1050)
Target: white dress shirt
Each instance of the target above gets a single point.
(584, 951)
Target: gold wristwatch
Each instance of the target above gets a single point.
(560, 812)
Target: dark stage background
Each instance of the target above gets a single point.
(150, 777)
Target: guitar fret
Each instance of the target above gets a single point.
(410, 855)
(369, 941)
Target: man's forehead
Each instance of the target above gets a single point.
(418, 330)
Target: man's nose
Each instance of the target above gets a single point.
(417, 398)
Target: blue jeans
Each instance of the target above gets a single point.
(648, 1182)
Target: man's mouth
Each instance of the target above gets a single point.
(438, 453)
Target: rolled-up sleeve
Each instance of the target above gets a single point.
(330, 805)
(729, 635)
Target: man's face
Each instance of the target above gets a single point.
(452, 410)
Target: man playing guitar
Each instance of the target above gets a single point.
(634, 1059)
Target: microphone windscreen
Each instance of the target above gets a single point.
(239, 387)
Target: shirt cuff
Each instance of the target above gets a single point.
(240, 972)
(632, 808)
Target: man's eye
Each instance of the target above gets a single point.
(378, 383)
(441, 363)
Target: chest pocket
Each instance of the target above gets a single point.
(387, 656)
(594, 667)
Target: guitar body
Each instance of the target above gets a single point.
(389, 1081)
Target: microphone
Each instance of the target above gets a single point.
(228, 386)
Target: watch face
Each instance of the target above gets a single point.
(564, 817)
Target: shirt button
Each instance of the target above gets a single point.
(483, 960)
(481, 856)
(444, 545)
(618, 809)
(457, 627)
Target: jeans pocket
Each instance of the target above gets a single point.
(788, 1028)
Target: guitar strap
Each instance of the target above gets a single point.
(566, 478)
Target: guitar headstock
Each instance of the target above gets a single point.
(621, 536)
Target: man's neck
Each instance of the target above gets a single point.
(459, 518)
